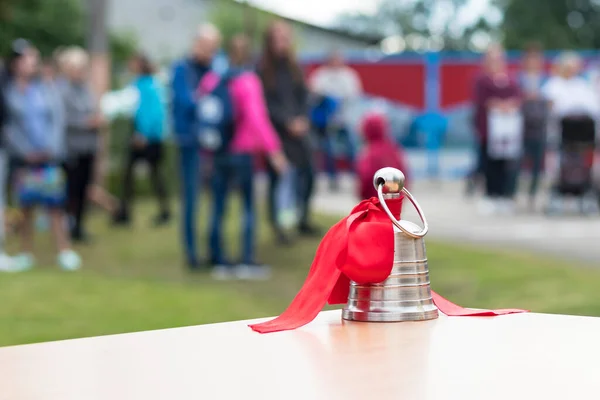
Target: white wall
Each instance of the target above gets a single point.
(163, 28)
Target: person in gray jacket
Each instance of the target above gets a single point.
(34, 139)
(82, 137)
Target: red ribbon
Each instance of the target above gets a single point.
(360, 248)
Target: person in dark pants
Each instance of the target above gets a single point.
(249, 133)
(147, 142)
(83, 123)
(287, 100)
(34, 138)
(495, 91)
(187, 74)
(536, 111)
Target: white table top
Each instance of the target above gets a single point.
(521, 356)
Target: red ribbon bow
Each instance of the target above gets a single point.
(360, 248)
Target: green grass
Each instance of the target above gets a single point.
(133, 280)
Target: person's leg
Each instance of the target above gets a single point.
(248, 268)
(433, 163)
(123, 216)
(512, 172)
(221, 180)
(154, 156)
(6, 262)
(491, 179)
(89, 162)
(245, 171)
(305, 192)
(27, 230)
(189, 165)
(537, 153)
(68, 260)
(57, 226)
(72, 174)
(329, 154)
(274, 206)
(80, 182)
(477, 176)
(3, 171)
(272, 195)
(349, 138)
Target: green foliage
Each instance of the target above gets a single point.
(423, 24)
(122, 47)
(556, 24)
(50, 24)
(234, 17)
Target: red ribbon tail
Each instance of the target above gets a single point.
(452, 310)
(322, 278)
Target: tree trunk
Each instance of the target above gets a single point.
(98, 47)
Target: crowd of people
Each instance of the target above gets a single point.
(520, 117)
(53, 128)
(259, 108)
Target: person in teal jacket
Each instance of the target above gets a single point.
(147, 140)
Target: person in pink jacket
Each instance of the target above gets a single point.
(253, 135)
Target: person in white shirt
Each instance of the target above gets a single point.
(342, 85)
(575, 108)
(569, 93)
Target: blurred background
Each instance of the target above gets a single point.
(118, 216)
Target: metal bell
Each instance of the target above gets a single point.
(406, 294)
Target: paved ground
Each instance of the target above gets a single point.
(452, 217)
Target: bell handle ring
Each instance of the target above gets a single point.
(380, 182)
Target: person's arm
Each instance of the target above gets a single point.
(17, 142)
(355, 88)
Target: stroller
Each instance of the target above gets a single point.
(576, 162)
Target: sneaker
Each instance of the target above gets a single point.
(81, 237)
(223, 273)
(487, 207)
(121, 218)
(23, 262)
(506, 207)
(309, 230)
(68, 260)
(253, 272)
(162, 219)
(282, 238)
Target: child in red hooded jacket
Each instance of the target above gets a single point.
(379, 151)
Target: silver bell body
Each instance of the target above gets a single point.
(406, 294)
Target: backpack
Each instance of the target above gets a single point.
(215, 113)
(323, 111)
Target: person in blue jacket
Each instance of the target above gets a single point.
(187, 74)
(430, 129)
(147, 140)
